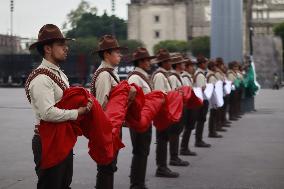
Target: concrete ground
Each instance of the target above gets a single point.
(250, 156)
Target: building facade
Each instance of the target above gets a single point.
(152, 21)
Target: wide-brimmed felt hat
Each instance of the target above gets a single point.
(108, 42)
(201, 59)
(48, 33)
(162, 56)
(141, 53)
(189, 61)
(177, 59)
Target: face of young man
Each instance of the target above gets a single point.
(190, 69)
(113, 57)
(180, 67)
(56, 52)
(203, 65)
(167, 65)
(145, 64)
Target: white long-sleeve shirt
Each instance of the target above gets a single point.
(45, 93)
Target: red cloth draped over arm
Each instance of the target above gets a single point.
(170, 112)
(101, 128)
(190, 99)
(152, 105)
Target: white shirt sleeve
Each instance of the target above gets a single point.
(43, 102)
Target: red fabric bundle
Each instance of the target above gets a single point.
(190, 99)
(135, 108)
(102, 129)
(170, 112)
(153, 102)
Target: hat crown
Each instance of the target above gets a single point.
(108, 42)
(140, 52)
(163, 54)
(49, 31)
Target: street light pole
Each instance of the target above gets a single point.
(112, 16)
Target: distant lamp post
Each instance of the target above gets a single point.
(251, 40)
(112, 16)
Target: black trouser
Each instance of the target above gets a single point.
(190, 118)
(105, 174)
(162, 138)
(141, 147)
(57, 177)
(212, 125)
(224, 109)
(175, 131)
(201, 119)
(233, 104)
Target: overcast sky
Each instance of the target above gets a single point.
(30, 15)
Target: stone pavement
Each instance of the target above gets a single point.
(250, 156)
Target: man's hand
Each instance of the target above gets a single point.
(132, 94)
(87, 108)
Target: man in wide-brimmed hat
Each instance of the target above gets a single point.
(161, 82)
(214, 121)
(140, 141)
(178, 63)
(44, 88)
(104, 79)
(190, 114)
(200, 81)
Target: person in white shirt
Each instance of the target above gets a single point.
(176, 129)
(201, 81)
(44, 88)
(161, 82)
(190, 115)
(140, 141)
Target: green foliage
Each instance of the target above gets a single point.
(92, 25)
(83, 45)
(200, 45)
(75, 15)
(172, 46)
(279, 30)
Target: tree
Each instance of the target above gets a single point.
(200, 45)
(75, 15)
(279, 30)
(172, 46)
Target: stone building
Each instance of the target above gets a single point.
(152, 21)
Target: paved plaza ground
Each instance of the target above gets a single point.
(250, 156)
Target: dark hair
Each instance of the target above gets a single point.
(211, 65)
(40, 47)
(174, 66)
(136, 63)
(101, 53)
(160, 64)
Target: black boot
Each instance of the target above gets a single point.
(166, 172)
(199, 143)
(175, 160)
(138, 172)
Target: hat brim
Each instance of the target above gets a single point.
(34, 45)
(111, 48)
(180, 62)
(142, 58)
(162, 60)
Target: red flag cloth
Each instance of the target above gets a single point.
(170, 112)
(101, 128)
(153, 102)
(190, 99)
(134, 110)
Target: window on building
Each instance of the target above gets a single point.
(157, 18)
(157, 34)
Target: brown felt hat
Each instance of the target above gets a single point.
(108, 42)
(177, 59)
(48, 33)
(162, 56)
(141, 53)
